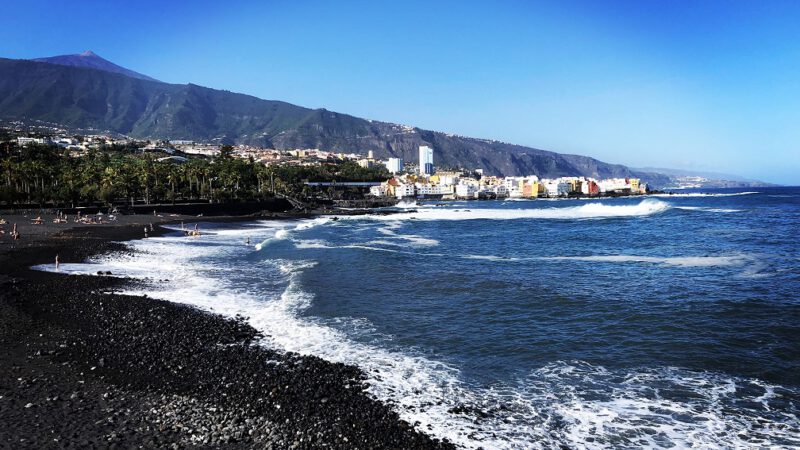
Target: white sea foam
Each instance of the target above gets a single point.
(708, 209)
(586, 211)
(640, 408)
(679, 261)
(285, 232)
(312, 243)
(682, 261)
(491, 258)
(406, 239)
(704, 194)
(405, 204)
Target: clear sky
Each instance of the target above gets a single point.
(705, 85)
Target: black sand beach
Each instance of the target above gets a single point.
(84, 367)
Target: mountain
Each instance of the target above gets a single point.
(90, 60)
(81, 97)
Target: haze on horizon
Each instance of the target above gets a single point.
(707, 86)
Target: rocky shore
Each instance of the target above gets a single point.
(85, 367)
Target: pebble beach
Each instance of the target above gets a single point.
(86, 367)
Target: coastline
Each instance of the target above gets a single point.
(86, 366)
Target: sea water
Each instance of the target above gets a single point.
(666, 321)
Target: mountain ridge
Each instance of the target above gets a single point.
(84, 97)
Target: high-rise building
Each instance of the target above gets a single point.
(395, 165)
(425, 160)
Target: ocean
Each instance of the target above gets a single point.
(660, 321)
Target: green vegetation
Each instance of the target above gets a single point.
(41, 174)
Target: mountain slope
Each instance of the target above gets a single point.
(80, 97)
(90, 60)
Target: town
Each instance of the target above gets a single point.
(388, 180)
(426, 182)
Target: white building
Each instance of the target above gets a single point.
(430, 190)
(394, 165)
(501, 190)
(405, 190)
(612, 184)
(556, 188)
(22, 141)
(377, 191)
(425, 160)
(466, 190)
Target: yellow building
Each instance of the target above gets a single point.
(532, 190)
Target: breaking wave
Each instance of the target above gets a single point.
(704, 194)
(708, 209)
(285, 233)
(587, 211)
(681, 261)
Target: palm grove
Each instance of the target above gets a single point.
(46, 175)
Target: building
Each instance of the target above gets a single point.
(557, 188)
(394, 165)
(590, 187)
(425, 160)
(530, 189)
(404, 190)
(378, 191)
(445, 178)
(500, 190)
(23, 141)
(466, 190)
(433, 190)
(613, 185)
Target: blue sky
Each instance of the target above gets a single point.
(705, 85)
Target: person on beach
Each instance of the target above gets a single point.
(145, 231)
(247, 242)
(56, 261)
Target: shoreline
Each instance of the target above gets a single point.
(86, 366)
